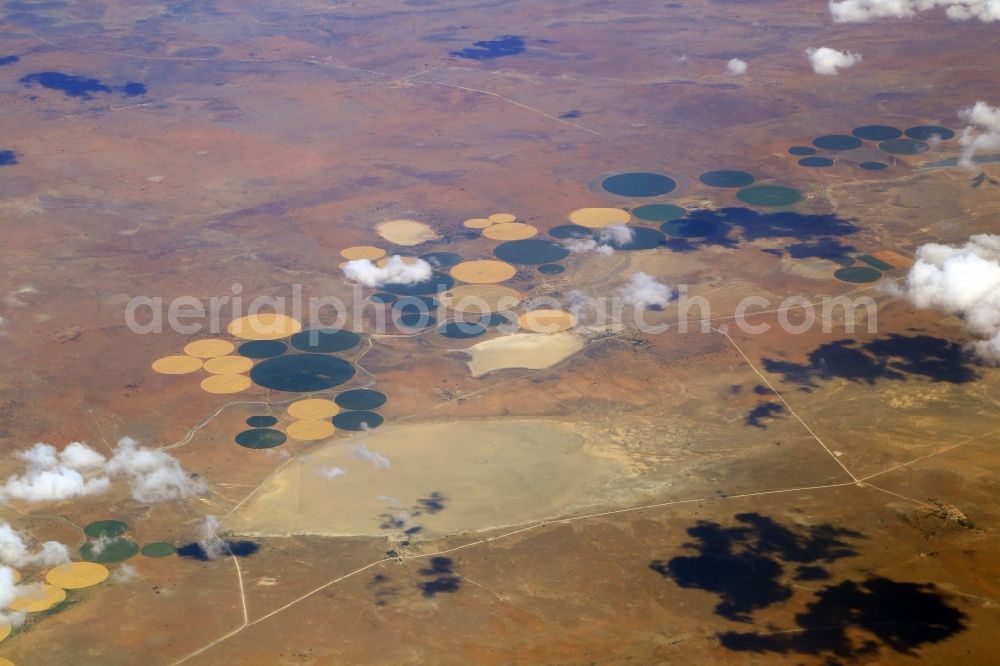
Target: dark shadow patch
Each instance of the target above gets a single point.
(896, 615)
(8, 158)
(79, 87)
(745, 564)
(442, 578)
(571, 114)
(764, 412)
(500, 47)
(433, 503)
(195, 551)
(9, 60)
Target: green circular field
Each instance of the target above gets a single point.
(659, 212)
(816, 162)
(904, 146)
(801, 150)
(639, 184)
(109, 550)
(158, 549)
(325, 340)
(530, 251)
(726, 178)
(857, 274)
(837, 142)
(262, 348)
(551, 269)
(358, 420)
(770, 196)
(105, 528)
(873, 166)
(301, 373)
(925, 132)
(877, 132)
(360, 399)
(260, 438)
(261, 421)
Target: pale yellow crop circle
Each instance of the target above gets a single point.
(369, 252)
(4, 633)
(209, 348)
(76, 575)
(225, 383)
(546, 321)
(40, 599)
(502, 218)
(477, 223)
(228, 365)
(480, 298)
(596, 218)
(483, 271)
(180, 364)
(510, 231)
(310, 429)
(264, 326)
(313, 408)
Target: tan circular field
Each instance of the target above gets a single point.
(77, 575)
(310, 429)
(313, 408)
(406, 232)
(369, 252)
(264, 326)
(228, 365)
(502, 218)
(480, 298)
(546, 321)
(209, 348)
(596, 218)
(477, 223)
(483, 271)
(40, 599)
(225, 384)
(179, 364)
(4, 633)
(4, 661)
(510, 231)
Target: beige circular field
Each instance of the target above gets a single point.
(596, 218)
(313, 408)
(502, 218)
(77, 575)
(209, 348)
(406, 232)
(546, 321)
(4, 661)
(510, 231)
(40, 599)
(483, 271)
(369, 252)
(480, 298)
(264, 326)
(310, 429)
(228, 365)
(4, 633)
(476, 223)
(225, 384)
(177, 365)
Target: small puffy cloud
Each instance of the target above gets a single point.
(645, 291)
(859, 11)
(618, 234)
(828, 62)
(124, 573)
(331, 471)
(588, 245)
(982, 133)
(79, 471)
(736, 67)
(15, 551)
(604, 241)
(398, 270)
(377, 460)
(210, 542)
(963, 281)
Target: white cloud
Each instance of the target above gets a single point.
(331, 472)
(588, 245)
(124, 573)
(964, 281)
(79, 471)
(857, 11)
(618, 234)
(210, 542)
(827, 61)
(15, 552)
(397, 270)
(644, 291)
(736, 67)
(604, 241)
(983, 132)
(378, 460)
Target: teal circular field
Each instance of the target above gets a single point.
(105, 528)
(462, 330)
(837, 142)
(801, 150)
(530, 251)
(658, 212)
(570, 231)
(442, 259)
(551, 269)
(692, 228)
(816, 162)
(438, 282)
(109, 550)
(873, 166)
(857, 274)
(904, 146)
(325, 340)
(726, 178)
(262, 348)
(360, 399)
(301, 373)
(261, 421)
(639, 184)
(357, 420)
(925, 132)
(413, 319)
(770, 196)
(260, 438)
(158, 549)
(382, 297)
(877, 132)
